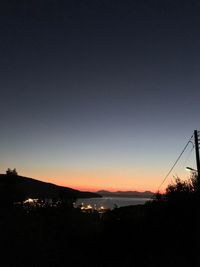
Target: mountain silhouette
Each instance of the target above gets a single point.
(145, 194)
(17, 188)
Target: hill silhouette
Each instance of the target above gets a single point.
(16, 188)
(137, 194)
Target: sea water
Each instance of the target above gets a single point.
(110, 202)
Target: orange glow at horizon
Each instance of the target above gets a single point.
(94, 180)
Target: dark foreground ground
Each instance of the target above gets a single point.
(157, 234)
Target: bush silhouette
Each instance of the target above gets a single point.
(182, 189)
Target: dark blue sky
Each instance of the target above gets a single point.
(95, 91)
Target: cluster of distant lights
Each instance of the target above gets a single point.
(38, 203)
(84, 208)
(31, 200)
(90, 208)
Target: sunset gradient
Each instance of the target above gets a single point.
(99, 94)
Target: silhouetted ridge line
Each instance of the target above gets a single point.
(145, 194)
(19, 188)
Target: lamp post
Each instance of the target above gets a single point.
(196, 141)
(191, 169)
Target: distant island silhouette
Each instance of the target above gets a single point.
(136, 194)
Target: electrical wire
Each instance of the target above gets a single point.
(184, 163)
(174, 164)
(187, 158)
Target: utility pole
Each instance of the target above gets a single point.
(196, 141)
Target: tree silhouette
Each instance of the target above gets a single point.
(11, 172)
(182, 189)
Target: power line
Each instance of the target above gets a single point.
(187, 158)
(175, 163)
(184, 163)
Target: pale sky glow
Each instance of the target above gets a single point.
(94, 168)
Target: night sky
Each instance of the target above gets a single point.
(99, 94)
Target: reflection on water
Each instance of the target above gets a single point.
(109, 202)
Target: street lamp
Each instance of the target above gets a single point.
(191, 169)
